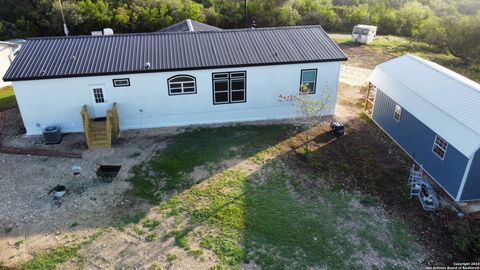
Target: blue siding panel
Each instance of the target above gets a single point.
(471, 190)
(417, 140)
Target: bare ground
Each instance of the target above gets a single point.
(28, 214)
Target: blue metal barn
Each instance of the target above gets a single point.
(433, 114)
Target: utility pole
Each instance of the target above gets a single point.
(246, 20)
(65, 29)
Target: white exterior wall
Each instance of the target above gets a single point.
(5, 61)
(146, 103)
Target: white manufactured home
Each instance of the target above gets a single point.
(7, 50)
(172, 79)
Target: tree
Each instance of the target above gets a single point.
(191, 10)
(410, 17)
(287, 16)
(150, 15)
(431, 31)
(463, 35)
(312, 111)
(96, 15)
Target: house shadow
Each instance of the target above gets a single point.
(154, 181)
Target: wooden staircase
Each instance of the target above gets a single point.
(100, 133)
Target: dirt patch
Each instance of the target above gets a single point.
(29, 214)
(364, 56)
(354, 76)
(199, 173)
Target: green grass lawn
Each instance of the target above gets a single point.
(7, 98)
(258, 210)
(397, 46)
(50, 259)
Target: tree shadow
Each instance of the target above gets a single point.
(367, 160)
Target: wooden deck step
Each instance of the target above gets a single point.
(98, 145)
(96, 133)
(98, 125)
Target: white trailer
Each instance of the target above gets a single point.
(364, 33)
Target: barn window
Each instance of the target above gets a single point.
(308, 81)
(229, 87)
(182, 84)
(440, 147)
(397, 113)
(121, 82)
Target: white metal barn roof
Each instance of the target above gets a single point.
(447, 102)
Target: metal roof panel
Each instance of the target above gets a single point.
(445, 101)
(128, 53)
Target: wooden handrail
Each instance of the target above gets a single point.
(108, 128)
(86, 123)
(115, 124)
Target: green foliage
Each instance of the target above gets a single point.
(410, 17)
(51, 258)
(462, 34)
(129, 219)
(464, 240)
(7, 98)
(48, 260)
(431, 31)
(150, 224)
(151, 237)
(369, 200)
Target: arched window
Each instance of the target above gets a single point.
(182, 84)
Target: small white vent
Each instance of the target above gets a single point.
(107, 31)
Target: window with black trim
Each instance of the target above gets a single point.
(121, 82)
(440, 146)
(229, 87)
(397, 113)
(308, 81)
(181, 85)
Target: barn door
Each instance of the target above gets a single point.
(99, 101)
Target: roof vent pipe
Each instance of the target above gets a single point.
(147, 65)
(107, 31)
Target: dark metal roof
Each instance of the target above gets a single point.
(189, 26)
(77, 56)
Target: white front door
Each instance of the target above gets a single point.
(99, 101)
